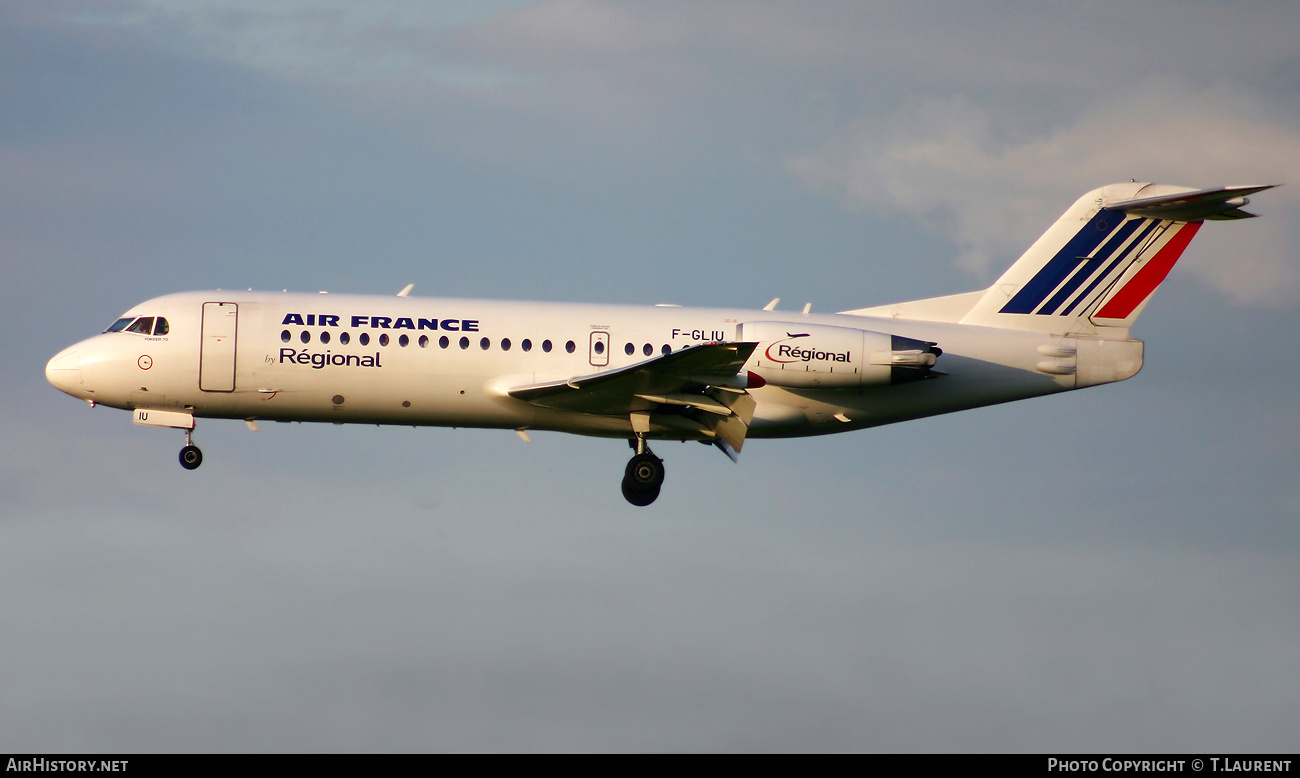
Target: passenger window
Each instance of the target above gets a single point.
(484, 344)
(383, 339)
(285, 337)
(667, 349)
(527, 345)
(403, 341)
(546, 346)
(305, 337)
(144, 326)
(424, 341)
(325, 337)
(569, 347)
(443, 342)
(647, 349)
(505, 344)
(598, 347)
(464, 343)
(344, 338)
(629, 349)
(364, 339)
(160, 327)
(120, 324)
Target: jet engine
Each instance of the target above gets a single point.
(819, 355)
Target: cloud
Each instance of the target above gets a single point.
(310, 40)
(316, 587)
(957, 166)
(985, 123)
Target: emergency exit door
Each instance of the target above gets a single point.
(217, 347)
(599, 354)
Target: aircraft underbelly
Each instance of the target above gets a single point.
(785, 413)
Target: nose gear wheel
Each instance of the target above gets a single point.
(191, 457)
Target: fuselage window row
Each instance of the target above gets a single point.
(147, 325)
(159, 327)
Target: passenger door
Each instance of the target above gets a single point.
(217, 347)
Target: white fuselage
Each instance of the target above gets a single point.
(1059, 318)
(446, 362)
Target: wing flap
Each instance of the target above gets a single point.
(703, 402)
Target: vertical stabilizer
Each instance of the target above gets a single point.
(1095, 269)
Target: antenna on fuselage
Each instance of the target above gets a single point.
(406, 290)
(772, 305)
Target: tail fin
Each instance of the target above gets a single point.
(1097, 266)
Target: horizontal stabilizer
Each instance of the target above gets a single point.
(1223, 203)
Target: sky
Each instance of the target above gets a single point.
(1104, 571)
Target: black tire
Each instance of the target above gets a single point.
(642, 478)
(191, 457)
(644, 472)
(638, 496)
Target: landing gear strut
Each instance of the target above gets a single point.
(191, 456)
(643, 476)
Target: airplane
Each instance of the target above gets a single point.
(1058, 319)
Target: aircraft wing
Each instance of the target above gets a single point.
(697, 389)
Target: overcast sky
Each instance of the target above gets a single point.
(1108, 570)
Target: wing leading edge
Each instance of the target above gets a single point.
(696, 391)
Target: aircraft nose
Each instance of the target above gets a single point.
(64, 372)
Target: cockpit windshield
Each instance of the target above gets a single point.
(145, 325)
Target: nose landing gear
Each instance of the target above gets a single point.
(643, 476)
(191, 457)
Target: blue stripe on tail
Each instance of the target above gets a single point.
(1066, 261)
(1121, 235)
(1139, 241)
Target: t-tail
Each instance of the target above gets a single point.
(1087, 279)
(1095, 269)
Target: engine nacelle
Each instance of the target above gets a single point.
(819, 355)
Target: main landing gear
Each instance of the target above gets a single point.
(191, 456)
(643, 476)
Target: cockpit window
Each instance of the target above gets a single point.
(120, 324)
(160, 327)
(143, 325)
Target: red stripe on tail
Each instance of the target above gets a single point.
(1149, 277)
